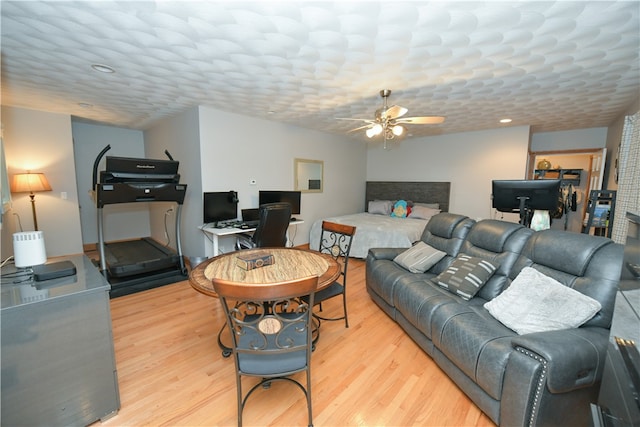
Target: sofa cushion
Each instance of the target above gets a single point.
(466, 275)
(419, 258)
(536, 303)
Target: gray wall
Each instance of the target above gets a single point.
(235, 149)
(121, 221)
(470, 161)
(42, 142)
(181, 136)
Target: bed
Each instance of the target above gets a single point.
(378, 230)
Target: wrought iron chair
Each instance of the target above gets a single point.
(271, 332)
(336, 240)
(274, 219)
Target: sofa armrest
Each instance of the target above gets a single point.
(574, 358)
(384, 253)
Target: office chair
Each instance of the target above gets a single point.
(272, 228)
(271, 332)
(336, 240)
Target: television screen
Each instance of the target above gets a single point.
(291, 197)
(220, 206)
(513, 195)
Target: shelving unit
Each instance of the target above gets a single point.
(567, 176)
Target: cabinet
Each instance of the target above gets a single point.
(58, 361)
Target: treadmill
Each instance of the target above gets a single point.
(139, 264)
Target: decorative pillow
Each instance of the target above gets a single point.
(401, 209)
(466, 275)
(380, 207)
(419, 258)
(427, 205)
(535, 302)
(423, 212)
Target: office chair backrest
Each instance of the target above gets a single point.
(272, 228)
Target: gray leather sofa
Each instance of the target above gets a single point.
(541, 378)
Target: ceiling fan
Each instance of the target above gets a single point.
(388, 121)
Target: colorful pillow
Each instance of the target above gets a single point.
(419, 258)
(401, 209)
(466, 276)
(380, 207)
(535, 302)
(422, 212)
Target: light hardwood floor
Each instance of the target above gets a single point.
(171, 371)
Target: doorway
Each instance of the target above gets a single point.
(580, 171)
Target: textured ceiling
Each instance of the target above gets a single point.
(552, 65)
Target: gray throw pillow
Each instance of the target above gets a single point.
(380, 207)
(419, 258)
(535, 302)
(466, 275)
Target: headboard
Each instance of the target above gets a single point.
(424, 192)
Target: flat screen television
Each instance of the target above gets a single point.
(291, 197)
(220, 206)
(525, 196)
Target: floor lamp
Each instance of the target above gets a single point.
(30, 183)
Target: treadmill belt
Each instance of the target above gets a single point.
(139, 256)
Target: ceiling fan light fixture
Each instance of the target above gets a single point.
(397, 130)
(370, 133)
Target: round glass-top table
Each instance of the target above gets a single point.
(289, 264)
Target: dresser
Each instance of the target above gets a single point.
(58, 361)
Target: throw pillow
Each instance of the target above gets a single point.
(401, 209)
(419, 258)
(427, 205)
(380, 207)
(466, 275)
(535, 302)
(422, 212)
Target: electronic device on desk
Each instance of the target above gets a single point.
(524, 196)
(291, 197)
(219, 207)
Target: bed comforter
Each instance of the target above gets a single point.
(374, 231)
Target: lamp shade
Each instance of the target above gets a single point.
(29, 183)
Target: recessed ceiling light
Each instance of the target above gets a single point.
(271, 112)
(103, 68)
(85, 105)
(505, 120)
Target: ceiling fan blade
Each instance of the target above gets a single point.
(357, 120)
(359, 128)
(394, 111)
(426, 120)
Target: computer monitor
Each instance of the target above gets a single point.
(220, 206)
(525, 196)
(291, 197)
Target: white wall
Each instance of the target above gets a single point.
(42, 142)
(569, 140)
(179, 135)
(235, 149)
(470, 161)
(121, 221)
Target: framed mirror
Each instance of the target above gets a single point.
(308, 175)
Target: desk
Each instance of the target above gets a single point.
(216, 233)
(58, 362)
(290, 264)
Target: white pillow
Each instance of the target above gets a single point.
(380, 207)
(535, 302)
(419, 258)
(423, 212)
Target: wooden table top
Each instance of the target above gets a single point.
(289, 264)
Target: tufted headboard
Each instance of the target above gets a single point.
(424, 192)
